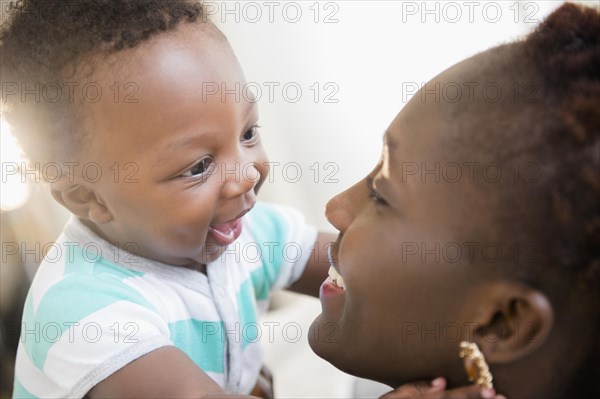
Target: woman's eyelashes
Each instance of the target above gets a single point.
(250, 136)
(374, 194)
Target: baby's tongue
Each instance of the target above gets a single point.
(226, 233)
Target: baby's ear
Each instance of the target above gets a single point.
(513, 320)
(81, 200)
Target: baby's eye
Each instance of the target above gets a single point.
(204, 167)
(251, 135)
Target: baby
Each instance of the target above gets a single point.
(158, 280)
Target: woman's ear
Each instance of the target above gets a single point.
(82, 201)
(513, 320)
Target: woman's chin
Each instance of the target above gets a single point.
(324, 340)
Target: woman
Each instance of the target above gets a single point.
(480, 223)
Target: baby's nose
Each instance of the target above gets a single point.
(241, 182)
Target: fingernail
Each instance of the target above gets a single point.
(438, 382)
(488, 393)
(500, 397)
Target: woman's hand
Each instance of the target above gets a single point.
(437, 390)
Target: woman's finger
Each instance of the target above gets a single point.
(468, 392)
(436, 390)
(416, 389)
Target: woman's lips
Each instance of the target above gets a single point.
(336, 278)
(226, 233)
(333, 285)
(329, 289)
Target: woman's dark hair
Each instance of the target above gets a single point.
(550, 211)
(565, 51)
(42, 41)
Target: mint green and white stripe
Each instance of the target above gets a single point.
(92, 309)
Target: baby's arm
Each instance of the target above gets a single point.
(316, 268)
(166, 372)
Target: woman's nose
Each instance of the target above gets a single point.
(341, 210)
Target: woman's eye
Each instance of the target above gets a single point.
(374, 194)
(251, 134)
(203, 167)
(376, 197)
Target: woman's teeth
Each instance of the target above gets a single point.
(336, 278)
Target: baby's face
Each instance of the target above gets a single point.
(410, 251)
(181, 159)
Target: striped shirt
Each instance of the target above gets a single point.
(92, 308)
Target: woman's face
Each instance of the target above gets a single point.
(410, 233)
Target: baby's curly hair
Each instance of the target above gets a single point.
(42, 42)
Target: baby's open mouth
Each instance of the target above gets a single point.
(226, 233)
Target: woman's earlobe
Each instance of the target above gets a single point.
(81, 201)
(516, 322)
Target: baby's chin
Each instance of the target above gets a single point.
(211, 253)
